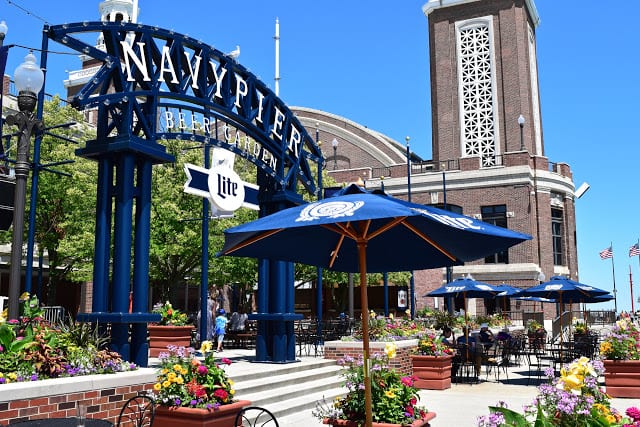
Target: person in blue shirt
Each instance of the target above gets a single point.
(221, 326)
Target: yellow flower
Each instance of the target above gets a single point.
(206, 347)
(232, 392)
(230, 382)
(171, 376)
(390, 316)
(166, 384)
(180, 380)
(164, 371)
(390, 394)
(177, 368)
(24, 296)
(12, 376)
(390, 350)
(157, 386)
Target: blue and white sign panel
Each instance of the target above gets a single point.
(221, 185)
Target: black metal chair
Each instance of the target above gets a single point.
(254, 416)
(137, 411)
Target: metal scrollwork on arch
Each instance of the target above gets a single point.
(153, 84)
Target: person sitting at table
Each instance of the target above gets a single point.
(471, 352)
(447, 337)
(486, 336)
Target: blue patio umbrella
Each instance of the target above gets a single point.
(563, 289)
(467, 288)
(357, 231)
(506, 291)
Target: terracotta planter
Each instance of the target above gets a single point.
(346, 423)
(162, 336)
(622, 378)
(434, 373)
(224, 416)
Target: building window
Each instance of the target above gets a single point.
(451, 208)
(496, 215)
(557, 233)
(476, 89)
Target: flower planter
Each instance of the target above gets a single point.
(162, 336)
(346, 423)
(622, 378)
(433, 372)
(224, 416)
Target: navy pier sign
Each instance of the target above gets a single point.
(151, 85)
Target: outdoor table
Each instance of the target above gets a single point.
(64, 422)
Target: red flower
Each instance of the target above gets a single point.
(221, 394)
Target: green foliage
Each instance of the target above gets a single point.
(431, 345)
(81, 335)
(170, 316)
(32, 349)
(394, 397)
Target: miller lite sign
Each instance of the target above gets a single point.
(221, 185)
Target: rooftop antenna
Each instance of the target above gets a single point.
(277, 39)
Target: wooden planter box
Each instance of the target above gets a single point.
(224, 416)
(162, 336)
(346, 423)
(434, 373)
(622, 378)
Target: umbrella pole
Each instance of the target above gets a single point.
(362, 258)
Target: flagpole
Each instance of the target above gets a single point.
(613, 271)
(633, 310)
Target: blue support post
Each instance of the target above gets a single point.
(385, 280)
(122, 252)
(204, 257)
(140, 303)
(102, 233)
(35, 161)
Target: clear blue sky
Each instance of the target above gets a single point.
(368, 61)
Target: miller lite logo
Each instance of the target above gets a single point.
(226, 189)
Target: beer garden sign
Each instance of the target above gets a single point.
(153, 85)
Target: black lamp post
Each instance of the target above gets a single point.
(3, 31)
(521, 123)
(412, 283)
(28, 79)
(334, 144)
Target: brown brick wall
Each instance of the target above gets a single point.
(101, 403)
(336, 350)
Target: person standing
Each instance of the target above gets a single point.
(221, 326)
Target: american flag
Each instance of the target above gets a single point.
(607, 253)
(634, 250)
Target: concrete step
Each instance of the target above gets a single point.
(289, 390)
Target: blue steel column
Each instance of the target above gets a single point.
(35, 173)
(319, 284)
(204, 256)
(263, 307)
(103, 237)
(290, 307)
(277, 303)
(122, 252)
(140, 304)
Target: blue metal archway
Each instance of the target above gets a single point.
(154, 84)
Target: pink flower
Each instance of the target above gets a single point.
(202, 369)
(226, 361)
(408, 381)
(634, 413)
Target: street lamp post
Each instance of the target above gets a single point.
(3, 31)
(521, 123)
(412, 283)
(28, 80)
(443, 167)
(334, 144)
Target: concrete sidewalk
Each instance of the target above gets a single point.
(460, 405)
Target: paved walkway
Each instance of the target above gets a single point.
(458, 406)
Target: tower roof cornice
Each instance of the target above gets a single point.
(432, 5)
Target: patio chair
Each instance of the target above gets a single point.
(254, 416)
(137, 411)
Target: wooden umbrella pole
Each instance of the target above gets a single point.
(362, 258)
